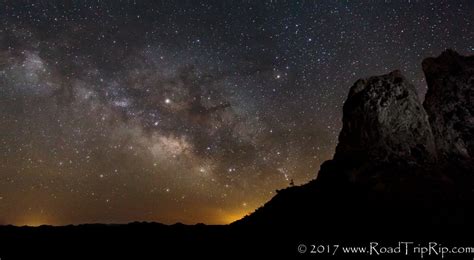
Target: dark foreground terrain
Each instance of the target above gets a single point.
(157, 241)
(403, 171)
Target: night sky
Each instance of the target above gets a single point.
(194, 112)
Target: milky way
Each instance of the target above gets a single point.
(194, 112)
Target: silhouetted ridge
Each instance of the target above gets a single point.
(386, 168)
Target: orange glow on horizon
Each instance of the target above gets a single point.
(228, 218)
(33, 221)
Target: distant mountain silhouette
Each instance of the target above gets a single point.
(402, 170)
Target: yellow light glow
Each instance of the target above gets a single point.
(33, 221)
(228, 218)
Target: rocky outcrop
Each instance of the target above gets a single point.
(396, 162)
(383, 120)
(449, 103)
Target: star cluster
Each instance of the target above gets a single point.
(116, 111)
